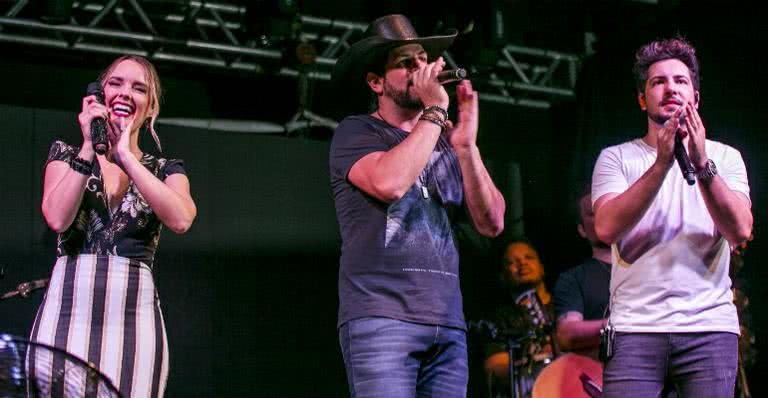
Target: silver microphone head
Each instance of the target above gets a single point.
(451, 75)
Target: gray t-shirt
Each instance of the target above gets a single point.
(398, 260)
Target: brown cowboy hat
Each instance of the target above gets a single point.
(382, 35)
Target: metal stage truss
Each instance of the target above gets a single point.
(219, 35)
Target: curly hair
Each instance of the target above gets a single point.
(659, 50)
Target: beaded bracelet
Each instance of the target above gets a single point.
(81, 166)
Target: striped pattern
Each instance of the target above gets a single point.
(103, 309)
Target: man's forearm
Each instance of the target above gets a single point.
(388, 175)
(615, 216)
(485, 203)
(579, 335)
(730, 212)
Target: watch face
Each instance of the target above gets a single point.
(711, 169)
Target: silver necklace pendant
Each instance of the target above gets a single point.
(424, 189)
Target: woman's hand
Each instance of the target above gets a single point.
(119, 136)
(91, 109)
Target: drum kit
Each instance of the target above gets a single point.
(530, 360)
(537, 345)
(60, 374)
(32, 369)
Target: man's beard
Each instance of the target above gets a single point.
(402, 98)
(658, 118)
(601, 245)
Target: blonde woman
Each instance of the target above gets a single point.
(108, 211)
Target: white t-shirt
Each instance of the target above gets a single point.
(670, 271)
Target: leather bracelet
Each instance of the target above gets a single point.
(434, 120)
(81, 166)
(435, 108)
(434, 115)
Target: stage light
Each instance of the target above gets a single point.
(273, 21)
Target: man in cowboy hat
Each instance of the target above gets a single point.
(399, 176)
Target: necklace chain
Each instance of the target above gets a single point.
(378, 113)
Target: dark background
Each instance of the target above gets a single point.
(249, 293)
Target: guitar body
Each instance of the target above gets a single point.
(562, 377)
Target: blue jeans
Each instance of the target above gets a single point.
(389, 358)
(699, 365)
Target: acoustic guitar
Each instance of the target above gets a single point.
(570, 376)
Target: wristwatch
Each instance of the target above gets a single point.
(706, 173)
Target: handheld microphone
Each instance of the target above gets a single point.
(98, 125)
(451, 75)
(684, 161)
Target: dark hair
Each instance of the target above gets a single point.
(586, 190)
(660, 50)
(504, 275)
(580, 189)
(501, 249)
(377, 66)
(378, 62)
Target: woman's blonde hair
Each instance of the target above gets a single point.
(154, 90)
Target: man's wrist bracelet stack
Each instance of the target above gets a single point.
(434, 109)
(434, 120)
(81, 166)
(436, 115)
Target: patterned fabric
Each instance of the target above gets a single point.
(131, 230)
(105, 310)
(101, 304)
(398, 260)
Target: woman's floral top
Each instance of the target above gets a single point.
(131, 230)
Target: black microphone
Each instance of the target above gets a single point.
(684, 161)
(98, 124)
(451, 75)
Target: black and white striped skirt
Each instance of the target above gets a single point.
(105, 310)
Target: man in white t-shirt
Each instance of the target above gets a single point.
(671, 303)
